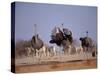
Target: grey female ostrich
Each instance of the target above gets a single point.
(36, 42)
(87, 44)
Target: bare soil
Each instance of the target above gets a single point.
(71, 65)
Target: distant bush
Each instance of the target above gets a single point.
(20, 48)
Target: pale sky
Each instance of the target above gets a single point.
(78, 19)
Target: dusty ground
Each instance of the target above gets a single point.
(86, 64)
(55, 63)
(56, 58)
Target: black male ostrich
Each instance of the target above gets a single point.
(62, 38)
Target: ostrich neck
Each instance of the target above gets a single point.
(36, 39)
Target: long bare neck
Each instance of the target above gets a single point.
(35, 29)
(36, 38)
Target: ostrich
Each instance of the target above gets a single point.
(36, 42)
(56, 36)
(87, 44)
(62, 37)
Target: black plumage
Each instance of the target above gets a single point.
(59, 35)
